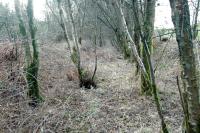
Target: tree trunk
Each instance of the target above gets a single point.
(32, 59)
(137, 43)
(63, 25)
(32, 70)
(148, 33)
(75, 38)
(190, 77)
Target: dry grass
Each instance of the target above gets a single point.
(115, 106)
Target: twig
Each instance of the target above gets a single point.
(95, 42)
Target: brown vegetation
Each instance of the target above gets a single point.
(115, 105)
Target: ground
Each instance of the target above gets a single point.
(116, 105)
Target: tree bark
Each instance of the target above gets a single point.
(190, 77)
(136, 33)
(63, 25)
(32, 70)
(148, 33)
(32, 59)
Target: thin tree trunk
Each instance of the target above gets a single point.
(63, 25)
(74, 35)
(195, 32)
(134, 48)
(136, 34)
(148, 33)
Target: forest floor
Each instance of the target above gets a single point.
(115, 106)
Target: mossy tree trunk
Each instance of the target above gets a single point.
(75, 39)
(188, 60)
(32, 70)
(32, 59)
(148, 33)
(137, 43)
(123, 37)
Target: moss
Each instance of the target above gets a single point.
(145, 86)
(84, 73)
(33, 88)
(74, 56)
(126, 51)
